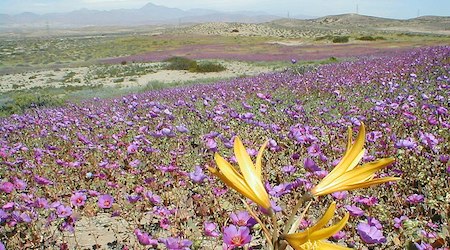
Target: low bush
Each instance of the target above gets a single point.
(370, 38)
(21, 102)
(181, 63)
(208, 67)
(341, 39)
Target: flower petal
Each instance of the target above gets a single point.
(325, 218)
(250, 174)
(329, 231)
(350, 156)
(258, 160)
(323, 245)
(355, 176)
(371, 183)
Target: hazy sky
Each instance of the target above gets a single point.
(383, 8)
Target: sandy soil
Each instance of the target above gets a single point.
(58, 78)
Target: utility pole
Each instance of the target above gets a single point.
(357, 9)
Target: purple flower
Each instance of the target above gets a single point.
(429, 140)
(370, 234)
(398, 222)
(132, 148)
(374, 222)
(314, 150)
(197, 176)
(63, 211)
(144, 238)
(242, 218)
(182, 129)
(406, 143)
(133, 198)
(41, 203)
(210, 229)
(105, 201)
(42, 181)
(339, 235)
(19, 184)
(78, 199)
(176, 243)
(7, 187)
(164, 223)
(279, 190)
(310, 165)
(368, 201)
(415, 198)
(354, 210)
(2, 247)
(153, 198)
(236, 237)
(423, 246)
(340, 195)
(274, 207)
(211, 144)
(289, 169)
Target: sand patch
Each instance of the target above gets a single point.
(66, 77)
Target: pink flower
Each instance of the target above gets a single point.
(176, 243)
(7, 187)
(63, 211)
(354, 210)
(398, 222)
(197, 175)
(236, 237)
(340, 195)
(370, 234)
(105, 201)
(415, 198)
(210, 229)
(78, 199)
(339, 235)
(242, 218)
(144, 238)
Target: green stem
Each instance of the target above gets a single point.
(275, 229)
(305, 197)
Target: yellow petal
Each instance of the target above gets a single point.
(361, 173)
(325, 218)
(349, 157)
(329, 231)
(371, 183)
(250, 174)
(323, 245)
(355, 176)
(258, 160)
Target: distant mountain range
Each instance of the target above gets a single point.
(147, 15)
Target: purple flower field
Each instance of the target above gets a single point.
(143, 158)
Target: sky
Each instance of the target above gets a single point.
(400, 9)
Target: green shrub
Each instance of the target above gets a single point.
(366, 38)
(181, 63)
(341, 39)
(208, 67)
(370, 38)
(21, 102)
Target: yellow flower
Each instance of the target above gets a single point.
(313, 237)
(346, 176)
(248, 183)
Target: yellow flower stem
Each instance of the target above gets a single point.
(263, 227)
(305, 197)
(297, 222)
